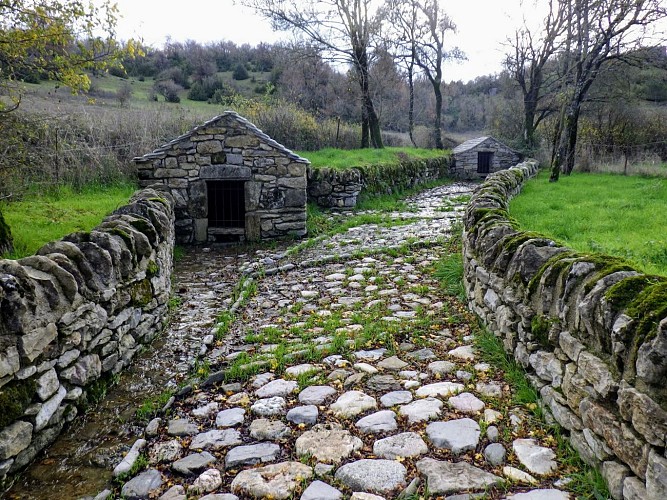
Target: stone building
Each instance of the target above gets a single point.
(230, 182)
(477, 158)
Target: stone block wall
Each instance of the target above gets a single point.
(76, 311)
(331, 188)
(230, 148)
(590, 330)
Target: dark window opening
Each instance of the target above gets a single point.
(484, 160)
(226, 207)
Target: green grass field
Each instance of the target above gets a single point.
(342, 159)
(40, 219)
(602, 213)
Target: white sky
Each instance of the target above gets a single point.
(483, 26)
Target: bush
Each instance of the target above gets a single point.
(240, 73)
(204, 90)
(169, 90)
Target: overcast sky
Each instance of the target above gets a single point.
(483, 26)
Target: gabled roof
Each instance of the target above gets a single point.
(161, 152)
(473, 143)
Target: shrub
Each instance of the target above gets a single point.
(240, 73)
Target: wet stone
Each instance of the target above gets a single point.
(422, 354)
(407, 444)
(303, 415)
(396, 398)
(319, 490)
(381, 421)
(465, 353)
(153, 427)
(216, 439)
(278, 481)
(278, 387)
(383, 383)
(442, 389)
(194, 463)
(209, 480)
(421, 410)
(447, 477)
(230, 417)
(353, 403)
(182, 427)
(495, 454)
(143, 485)
(206, 410)
(167, 451)
(518, 476)
(459, 435)
(376, 476)
(251, 454)
(466, 403)
(269, 406)
(316, 394)
(441, 367)
(270, 430)
(537, 459)
(327, 443)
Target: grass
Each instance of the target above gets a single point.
(342, 159)
(602, 213)
(39, 219)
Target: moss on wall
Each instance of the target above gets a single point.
(6, 240)
(14, 399)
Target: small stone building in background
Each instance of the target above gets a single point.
(477, 158)
(230, 181)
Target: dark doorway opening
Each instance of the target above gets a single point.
(484, 160)
(226, 210)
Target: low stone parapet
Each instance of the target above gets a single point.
(590, 330)
(76, 312)
(332, 188)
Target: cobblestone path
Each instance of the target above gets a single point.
(345, 371)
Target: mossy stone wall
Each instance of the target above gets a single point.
(74, 315)
(590, 329)
(331, 188)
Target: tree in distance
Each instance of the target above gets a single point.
(343, 31)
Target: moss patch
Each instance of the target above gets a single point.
(6, 240)
(620, 295)
(141, 293)
(152, 269)
(539, 327)
(14, 399)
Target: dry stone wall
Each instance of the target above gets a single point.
(331, 188)
(591, 331)
(75, 312)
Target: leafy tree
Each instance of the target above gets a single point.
(54, 39)
(343, 30)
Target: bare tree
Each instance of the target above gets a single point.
(597, 31)
(341, 29)
(527, 63)
(425, 27)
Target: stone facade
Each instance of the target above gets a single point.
(591, 331)
(76, 311)
(331, 188)
(223, 159)
(470, 158)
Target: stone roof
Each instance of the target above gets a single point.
(473, 143)
(162, 150)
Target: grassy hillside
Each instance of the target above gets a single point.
(41, 219)
(603, 213)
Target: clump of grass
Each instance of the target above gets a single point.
(225, 320)
(449, 271)
(151, 406)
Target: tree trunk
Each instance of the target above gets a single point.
(566, 141)
(370, 126)
(437, 124)
(529, 110)
(411, 110)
